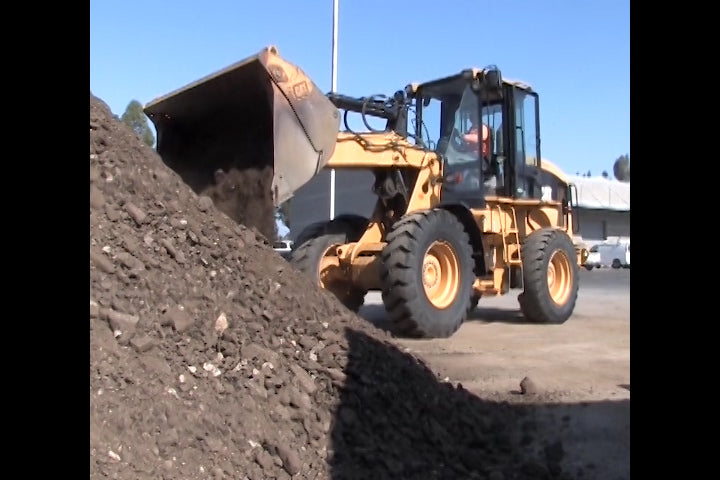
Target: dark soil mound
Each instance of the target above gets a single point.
(210, 357)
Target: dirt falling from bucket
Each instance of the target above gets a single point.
(245, 195)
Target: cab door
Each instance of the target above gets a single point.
(526, 179)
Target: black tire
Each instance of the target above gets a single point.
(349, 224)
(616, 263)
(588, 267)
(474, 300)
(516, 277)
(308, 233)
(549, 253)
(404, 264)
(314, 241)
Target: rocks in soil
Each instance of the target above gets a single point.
(528, 387)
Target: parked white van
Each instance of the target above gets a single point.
(615, 255)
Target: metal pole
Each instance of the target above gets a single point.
(333, 88)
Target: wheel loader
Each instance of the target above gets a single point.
(454, 220)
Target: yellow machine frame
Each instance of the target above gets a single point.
(502, 233)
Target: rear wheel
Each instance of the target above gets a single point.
(308, 233)
(427, 274)
(588, 267)
(315, 244)
(550, 274)
(351, 225)
(474, 300)
(616, 263)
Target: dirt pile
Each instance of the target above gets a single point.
(210, 357)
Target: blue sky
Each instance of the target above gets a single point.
(575, 54)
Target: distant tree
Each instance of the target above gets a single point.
(588, 174)
(135, 118)
(605, 174)
(621, 168)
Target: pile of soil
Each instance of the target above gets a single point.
(211, 357)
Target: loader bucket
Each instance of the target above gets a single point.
(260, 113)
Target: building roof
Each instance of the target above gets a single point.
(601, 193)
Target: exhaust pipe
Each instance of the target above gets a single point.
(260, 113)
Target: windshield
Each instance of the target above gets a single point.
(460, 125)
(447, 116)
(450, 114)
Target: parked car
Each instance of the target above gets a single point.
(283, 247)
(615, 255)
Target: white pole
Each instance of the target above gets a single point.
(333, 88)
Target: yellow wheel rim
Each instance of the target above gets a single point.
(440, 274)
(559, 277)
(329, 275)
(326, 267)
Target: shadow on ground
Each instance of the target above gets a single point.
(501, 315)
(377, 315)
(395, 420)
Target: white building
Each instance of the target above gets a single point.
(603, 208)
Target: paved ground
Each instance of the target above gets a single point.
(581, 368)
(587, 358)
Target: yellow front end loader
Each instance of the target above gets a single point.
(466, 206)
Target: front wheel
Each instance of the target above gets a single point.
(550, 274)
(308, 258)
(427, 274)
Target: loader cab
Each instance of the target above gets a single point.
(509, 165)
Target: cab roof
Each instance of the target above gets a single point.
(464, 76)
